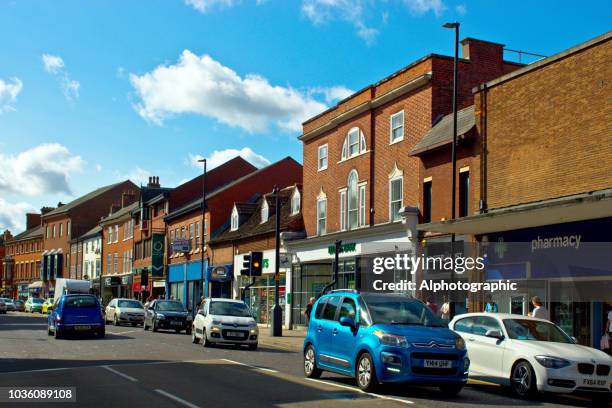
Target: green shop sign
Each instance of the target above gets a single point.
(348, 247)
(157, 255)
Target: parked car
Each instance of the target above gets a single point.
(531, 355)
(33, 304)
(19, 305)
(2, 307)
(76, 313)
(10, 306)
(378, 338)
(127, 311)
(225, 321)
(167, 314)
(47, 306)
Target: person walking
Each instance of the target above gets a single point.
(539, 311)
(490, 306)
(308, 310)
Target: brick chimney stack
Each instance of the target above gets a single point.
(153, 182)
(482, 51)
(33, 220)
(6, 235)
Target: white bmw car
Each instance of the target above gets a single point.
(225, 321)
(531, 355)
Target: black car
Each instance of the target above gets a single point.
(167, 314)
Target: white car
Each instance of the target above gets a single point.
(225, 321)
(124, 311)
(531, 355)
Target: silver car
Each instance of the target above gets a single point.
(10, 306)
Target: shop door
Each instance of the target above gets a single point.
(574, 318)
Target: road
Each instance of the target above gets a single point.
(134, 368)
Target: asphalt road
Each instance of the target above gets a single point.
(134, 368)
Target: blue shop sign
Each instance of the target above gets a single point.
(221, 273)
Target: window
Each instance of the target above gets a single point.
(320, 307)
(235, 219)
(397, 127)
(183, 236)
(116, 233)
(265, 210)
(361, 205)
(464, 193)
(204, 232)
(330, 309)
(322, 157)
(190, 234)
(197, 235)
(353, 200)
(46, 232)
(108, 264)
(115, 262)
(110, 235)
(295, 202)
(321, 216)
(482, 324)
(61, 230)
(176, 233)
(464, 325)
(395, 198)
(348, 309)
(343, 210)
(427, 191)
(53, 231)
(354, 144)
(68, 229)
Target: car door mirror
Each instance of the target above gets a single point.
(575, 340)
(495, 334)
(347, 321)
(202, 313)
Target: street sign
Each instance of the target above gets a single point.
(181, 245)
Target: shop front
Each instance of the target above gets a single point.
(185, 283)
(22, 290)
(112, 287)
(37, 289)
(219, 280)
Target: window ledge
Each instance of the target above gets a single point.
(354, 157)
(401, 139)
(322, 168)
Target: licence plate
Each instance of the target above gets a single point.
(234, 334)
(176, 323)
(437, 364)
(82, 327)
(592, 381)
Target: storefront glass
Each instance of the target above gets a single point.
(260, 296)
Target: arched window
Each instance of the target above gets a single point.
(295, 202)
(265, 211)
(235, 220)
(353, 199)
(354, 143)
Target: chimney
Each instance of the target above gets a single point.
(59, 204)
(45, 210)
(6, 235)
(33, 220)
(153, 182)
(482, 51)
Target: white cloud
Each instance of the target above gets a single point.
(137, 175)
(200, 85)
(461, 9)
(12, 215)
(8, 93)
(219, 157)
(54, 65)
(205, 5)
(44, 169)
(98, 167)
(332, 94)
(424, 6)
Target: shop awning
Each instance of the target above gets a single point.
(578, 207)
(36, 285)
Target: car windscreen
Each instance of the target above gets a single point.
(80, 302)
(229, 309)
(524, 329)
(401, 312)
(37, 300)
(170, 306)
(134, 304)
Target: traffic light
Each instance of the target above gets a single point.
(246, 265)
(256, 259)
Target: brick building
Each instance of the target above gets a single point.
(254, 229)
(185, 280)
(71, 220)
(21, 263)
(544, 214)
(6, 235)
(358, 171)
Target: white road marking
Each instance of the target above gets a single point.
(175, 398)
(269, 370)
(124, 332)
(23, 324)
(120, 374)
(348, 387)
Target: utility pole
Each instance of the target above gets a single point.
(202, 230)
(276, 329)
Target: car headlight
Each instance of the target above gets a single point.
(216, 322)
(215, 329)
(460, 343)
(552, 362)
(160, 316)
(390, 339)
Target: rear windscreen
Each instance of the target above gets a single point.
(80, 302)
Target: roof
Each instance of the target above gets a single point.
(83, 199)
(28, 234)
(91, 233)
(120, 213)
(253, 225)
(442, 132)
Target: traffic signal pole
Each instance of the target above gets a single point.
(276, 329)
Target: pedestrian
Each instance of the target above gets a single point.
(431, 304)
(539, 311)
(490, 306)
(201, 302)
(308, 310)
(445, 311)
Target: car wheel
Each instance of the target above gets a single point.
(523, 380)
(205, 341)
(101, 334)
(154, 326)
(450, 390)
(253, 347)
(58, 334)
(115, 321)
(49, 332)
(188, 331)
(366, 373)
(194, 337)
(144, 326)
(310, 363)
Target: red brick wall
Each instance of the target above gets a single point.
(118, 247)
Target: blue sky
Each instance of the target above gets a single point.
(95, 92)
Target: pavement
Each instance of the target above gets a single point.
(133, 368)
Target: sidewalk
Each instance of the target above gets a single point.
(291, 340)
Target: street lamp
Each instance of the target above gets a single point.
(277, 312)
(454, 26)
(202, 233)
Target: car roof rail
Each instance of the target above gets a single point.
(344, 290)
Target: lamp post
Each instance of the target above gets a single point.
(202, 232)
(276, 330)
(454, 26)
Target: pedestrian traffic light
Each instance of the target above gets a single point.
(256, 260)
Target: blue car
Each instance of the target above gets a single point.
(76, 313)
(379, 338)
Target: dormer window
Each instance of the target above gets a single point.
(354, 144)
(235, 219)
(265, 211)
(295, 202)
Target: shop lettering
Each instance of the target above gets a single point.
(350, 247)
(563, 241)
